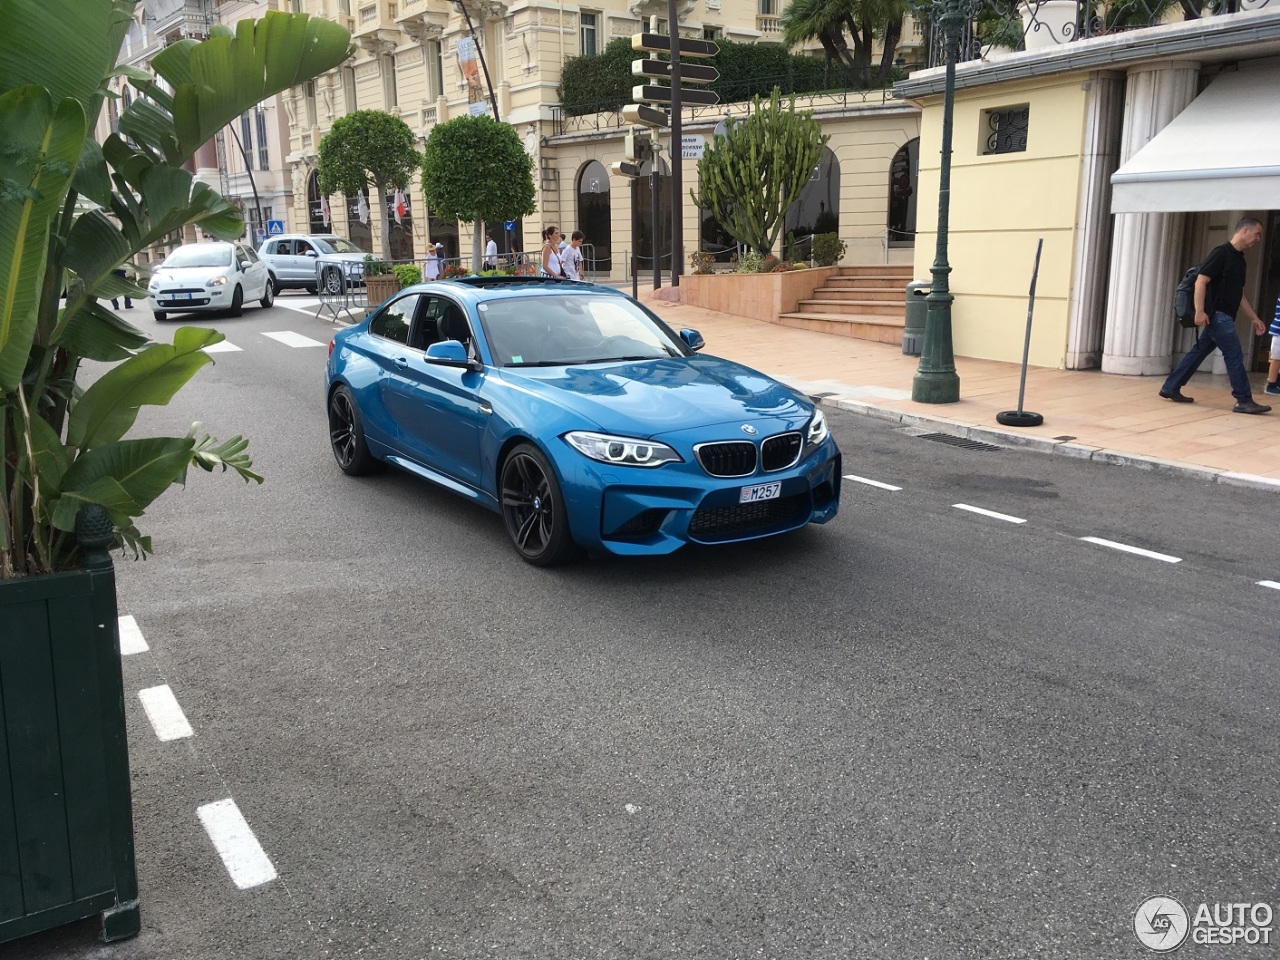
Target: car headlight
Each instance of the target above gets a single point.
(154, 285)
(219, 281)
(623, 451)
(818, 430)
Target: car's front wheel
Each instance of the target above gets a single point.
(268, 295)
(160, 316)
(346, 435)
(237, 302)
(533, 508)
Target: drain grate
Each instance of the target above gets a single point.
(815, 397)
(964, 442)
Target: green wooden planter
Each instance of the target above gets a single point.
(66, 817)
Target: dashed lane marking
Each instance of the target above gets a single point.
(222, 346)
(166, 716)
(1138, 551)
(291, 339)
(1269, 583)
(989, 513)
(871, 483)
(241, 854)
(131, 640)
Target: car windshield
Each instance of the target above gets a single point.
(336, 245)
(200, 255)
(565, 329)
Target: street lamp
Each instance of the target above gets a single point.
(936, 380)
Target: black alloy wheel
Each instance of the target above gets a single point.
(533, 508)
(346, 435)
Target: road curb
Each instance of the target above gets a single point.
(1067, 448)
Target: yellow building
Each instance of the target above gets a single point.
(1130, 154)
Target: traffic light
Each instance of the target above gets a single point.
(625, 168)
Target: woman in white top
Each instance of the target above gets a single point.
(432, 264)
(551, 264)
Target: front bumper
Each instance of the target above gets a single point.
(172, 299)
(636, 511)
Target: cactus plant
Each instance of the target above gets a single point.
(750, 177)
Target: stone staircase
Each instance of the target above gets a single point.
(865, 302)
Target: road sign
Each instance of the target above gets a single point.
(645, 116)
(275, 227)
(689, 97)
(692, 148)
(661, 70)
(661, 43)
(259, 234)
(509, 226)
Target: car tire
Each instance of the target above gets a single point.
(237, 302)
(533, 509)
(275, 285)
(268, 295)
(160, 316)
(346, 435)
(312, 289)
(333, 283)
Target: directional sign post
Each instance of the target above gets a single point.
(652, 93)
(638, 113)
(661, 70)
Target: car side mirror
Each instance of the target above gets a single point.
(451, 353)
(692, 339)
(243, 264)
(311, 253)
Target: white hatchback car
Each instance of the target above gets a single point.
(209, 276)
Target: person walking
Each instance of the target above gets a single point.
(1219, 296)
(552, 265)
(115, 301)
(1273, 370)
(572, 256)
(432, 271)
(491, 253)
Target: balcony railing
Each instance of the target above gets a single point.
(1006, 25)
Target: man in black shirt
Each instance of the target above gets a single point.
(1219, 295)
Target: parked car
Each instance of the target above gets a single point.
(208, 276)
(579, 416)
(293, 259)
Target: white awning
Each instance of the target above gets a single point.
(1221, 153)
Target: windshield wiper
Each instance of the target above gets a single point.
(619, 359)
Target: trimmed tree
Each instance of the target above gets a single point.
(368, 147)
(752, 176)
(475, 169)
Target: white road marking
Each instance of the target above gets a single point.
(1135, 550)
(989, 513)
(131, 640)
(291, 339)
(222, 346)
(871, 483)
(1269, 583)
(164, 713)
(241, 853)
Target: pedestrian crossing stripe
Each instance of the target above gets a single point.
(291, 339)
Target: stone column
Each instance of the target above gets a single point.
(1104, 117)
(207, 164)
(1145, 247)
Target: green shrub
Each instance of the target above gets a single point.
(749, 262)
(453, 271)
(702, 262)
(407, 273)
(783, 267)
(373, 267)
(828, 249)
(769, 264)
(799, 265)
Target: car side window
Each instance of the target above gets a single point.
(300, 248)
(269, 248)
(394, 321)
(442, 319)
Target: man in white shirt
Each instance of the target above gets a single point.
(491, 254)
(572, 256)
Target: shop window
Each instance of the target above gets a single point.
(1005, 130)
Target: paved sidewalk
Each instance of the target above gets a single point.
(1086, 413)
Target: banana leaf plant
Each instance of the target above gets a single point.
(72, 211)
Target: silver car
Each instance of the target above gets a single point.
(294, 259)
(208, 276)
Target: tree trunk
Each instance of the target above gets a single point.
(892, 34)
(477, 245)
(384, 217)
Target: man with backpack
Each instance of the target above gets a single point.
(1219, 295)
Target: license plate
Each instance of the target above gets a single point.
(761, 491)
(178, 296)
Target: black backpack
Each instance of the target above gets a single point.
(1184, 297)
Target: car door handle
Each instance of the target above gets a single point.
(486, 408)
(402, 362)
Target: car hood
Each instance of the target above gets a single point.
(344, 257)
(192, 274)
(654, 397)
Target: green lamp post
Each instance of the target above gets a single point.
(936, 380)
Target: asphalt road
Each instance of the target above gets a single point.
(917, 732)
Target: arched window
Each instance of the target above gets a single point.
(594, 217)
(817, 210)
(904, 172)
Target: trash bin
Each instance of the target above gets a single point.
(917, 313)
